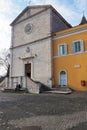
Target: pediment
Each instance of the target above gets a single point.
(29, 12)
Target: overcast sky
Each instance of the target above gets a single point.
(71, 10)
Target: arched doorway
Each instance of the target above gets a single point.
(63, 78)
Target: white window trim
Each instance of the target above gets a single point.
(65, 49)
(82, 46)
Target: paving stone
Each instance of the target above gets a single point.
(32, 128)
(1, 112)
(50, 111)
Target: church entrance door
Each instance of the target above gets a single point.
(28, 70)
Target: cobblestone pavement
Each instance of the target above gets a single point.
(43, 111)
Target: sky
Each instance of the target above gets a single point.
(71, 10)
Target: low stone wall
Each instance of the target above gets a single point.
(33, 87)
(2, 84)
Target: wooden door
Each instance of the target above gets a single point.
(28, 70)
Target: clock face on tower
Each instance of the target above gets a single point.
(28, 28)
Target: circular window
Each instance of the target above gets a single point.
(28, 28)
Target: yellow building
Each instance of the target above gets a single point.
(70, 57)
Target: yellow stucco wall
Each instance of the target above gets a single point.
(74, 64)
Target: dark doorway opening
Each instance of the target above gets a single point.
(28, 70)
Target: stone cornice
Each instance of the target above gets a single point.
(69, 33)
(33, 42)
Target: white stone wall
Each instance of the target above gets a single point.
(40, 64)
(31, 11)
(40, 29)
(33, 87)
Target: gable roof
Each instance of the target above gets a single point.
(73, 30)
(26, 9)
(61, 17)
(37, 7)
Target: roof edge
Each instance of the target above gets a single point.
(37, 6)
(61, 17)
(40, 6)
(78, 27)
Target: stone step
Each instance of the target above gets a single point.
(59, 92)
(62, 90)
(12, 90)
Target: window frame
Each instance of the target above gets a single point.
(65, 49)
(76, 50)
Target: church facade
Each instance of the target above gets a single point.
(31, 47)
(36, 34)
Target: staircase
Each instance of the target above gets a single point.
(36, 86)
(33, 86)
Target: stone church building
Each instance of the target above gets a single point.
(31, 45)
